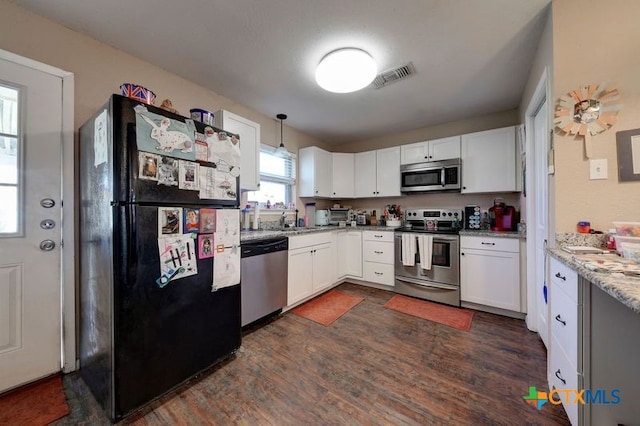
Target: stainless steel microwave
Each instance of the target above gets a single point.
(431, 176)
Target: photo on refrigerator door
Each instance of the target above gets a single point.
(191, 220)
(148, 165)
(207, 221)
(205, 246)
(169, 221)
(188, 177)
(168, 171)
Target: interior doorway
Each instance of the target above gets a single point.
(537, 204)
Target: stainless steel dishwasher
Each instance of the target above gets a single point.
(263, 278)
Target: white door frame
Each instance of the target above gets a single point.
(542, 92)
(67, 266)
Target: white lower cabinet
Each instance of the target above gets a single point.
(565, 325)
(312, 266)
(490, 272)
(377, 251)
(349, 254)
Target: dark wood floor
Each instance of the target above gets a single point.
(371, 366)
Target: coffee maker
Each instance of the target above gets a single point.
(502, 216)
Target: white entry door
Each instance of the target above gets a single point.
(30, 224)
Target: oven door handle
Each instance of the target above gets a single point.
(427, 284)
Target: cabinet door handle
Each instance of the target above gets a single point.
(488, 244)
(378, 236)
(378, 273)
(461, 254)
(563, 278)
(564, 382)
(378, 252)
(560, 320)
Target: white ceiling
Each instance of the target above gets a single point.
(472, 57)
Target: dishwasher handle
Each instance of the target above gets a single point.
(259, 247)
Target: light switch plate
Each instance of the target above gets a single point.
(598, 169)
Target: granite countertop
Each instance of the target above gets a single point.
(487, 233)
(289, 232)
(625, 289)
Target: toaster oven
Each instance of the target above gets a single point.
(337, 215)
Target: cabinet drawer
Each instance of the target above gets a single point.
(564, 323)
(511, 245)
(380, 273)
(308, 240)
(377, 236)
(565, 277)
(563, 376)
(377, 251)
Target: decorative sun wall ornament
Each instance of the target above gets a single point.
(587, 111)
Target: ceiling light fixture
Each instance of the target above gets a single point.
(346, 70)
(281, 151)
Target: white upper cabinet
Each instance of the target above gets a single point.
(434, 150)
(315, 172)
(365, 171)
(249, 133)
(388, 172)
(378, 173)
(343, 172)
(489, 161)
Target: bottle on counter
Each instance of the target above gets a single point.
(485, 223)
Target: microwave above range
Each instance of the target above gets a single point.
(431, 176)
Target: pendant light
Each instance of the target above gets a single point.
(281, 151)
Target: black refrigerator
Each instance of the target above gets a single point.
(159, 292)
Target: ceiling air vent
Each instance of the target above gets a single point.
(390, 76)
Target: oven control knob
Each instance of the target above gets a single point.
(456, 214)
(444, 214)
(449, 213)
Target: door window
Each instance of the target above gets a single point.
(10, 159)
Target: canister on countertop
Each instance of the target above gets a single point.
(584, 227)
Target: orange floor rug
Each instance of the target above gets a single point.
(328, 307)
(447, 315)
(36, 404)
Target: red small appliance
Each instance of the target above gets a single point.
(503, 217)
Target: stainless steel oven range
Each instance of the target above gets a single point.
(440, 281)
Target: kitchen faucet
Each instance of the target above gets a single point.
(283, 220)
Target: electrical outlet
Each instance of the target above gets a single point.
(598, 169)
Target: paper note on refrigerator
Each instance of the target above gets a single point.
(217, 185)
(177, 258)
(227, 227)
(100, 148)
(226, 268)
(224, 151)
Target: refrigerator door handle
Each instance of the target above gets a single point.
(132, 227)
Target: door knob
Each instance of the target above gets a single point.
(47, 203)
(47, 224)
(47, 245)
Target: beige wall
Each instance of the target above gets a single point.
(593, 42)
(100, 69)
(542, 62)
